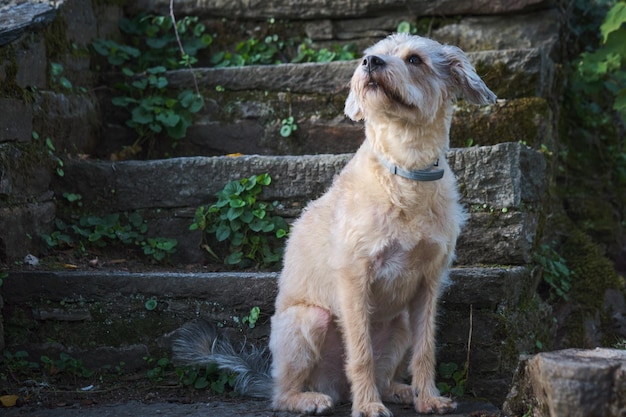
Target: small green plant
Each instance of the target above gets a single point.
(159, 368)
(406, 27)
(66, 364)
(18, 363)
(110, 230)
(529, 412)
(252, 51)
(57, 78)
(159, 248)
(155, 49)
(253, 317)
(555, 272)
(209, 376)
(51, 152)
(73, 198)
(307, 53)
(3, 275)
(288, 127)
(253, 234)
(117, 369)
(456, 379)
(151, 304)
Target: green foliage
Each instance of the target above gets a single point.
(555, 272)
(253, 234)
(253, 317)
(158, 368)
(307, 53)
(57, 78)
(594, 125)
(272, 50)
(110, 230)
(252, 51)
(153, 50)
(455, 379)
(66, 364)
(3, 275)
(288, 127)
(602, 71)
(18, 363)
(151, 304)
(209, 376)
(406, 27)
(51, 149)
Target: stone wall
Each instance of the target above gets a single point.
(41, 120)
(514, 46)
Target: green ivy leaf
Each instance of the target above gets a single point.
(151, 304)
(168, 118)
(614, 20)
(222, 232)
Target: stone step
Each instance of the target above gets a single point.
(244, 114)
(571, 382)
(17, 20)
(502, 187)
(101, 317)
(286, 9)
(510, 73)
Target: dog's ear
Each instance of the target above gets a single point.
(352, 108)
(464, 77)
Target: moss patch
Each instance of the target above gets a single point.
(521, 120)
(593, 272)
(505, 82)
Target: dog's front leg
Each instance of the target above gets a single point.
(423, 313)
(355, 324)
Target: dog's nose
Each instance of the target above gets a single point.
(373, 62)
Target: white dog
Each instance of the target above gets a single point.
(365, 262)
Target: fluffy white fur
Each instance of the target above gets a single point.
(365, 262)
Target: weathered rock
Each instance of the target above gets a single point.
(528, 120)
(499, 184)
(19, 222)
(116, 303)
(31, 66)
(516, 73)
(494, 237)
(24, 176)
(286, 9)
(499, 176)
(250, 123)
(503, 175)
(27, 16)
(518, 31)
(16, 120)
(331, 77)
(573, 383)
(509, 73)
(71, 120)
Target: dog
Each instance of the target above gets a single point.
(365, 263)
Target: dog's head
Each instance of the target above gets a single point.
(412, 77)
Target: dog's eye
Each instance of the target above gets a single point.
(415, 60)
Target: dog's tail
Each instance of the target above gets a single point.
(201, 343)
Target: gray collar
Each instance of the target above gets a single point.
(416, 175)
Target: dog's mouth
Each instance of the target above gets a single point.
(372, 85)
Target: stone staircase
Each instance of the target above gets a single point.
(101, 317)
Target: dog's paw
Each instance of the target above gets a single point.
(308, 403)
(399, 394)
(371, 410)
(438, 405)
